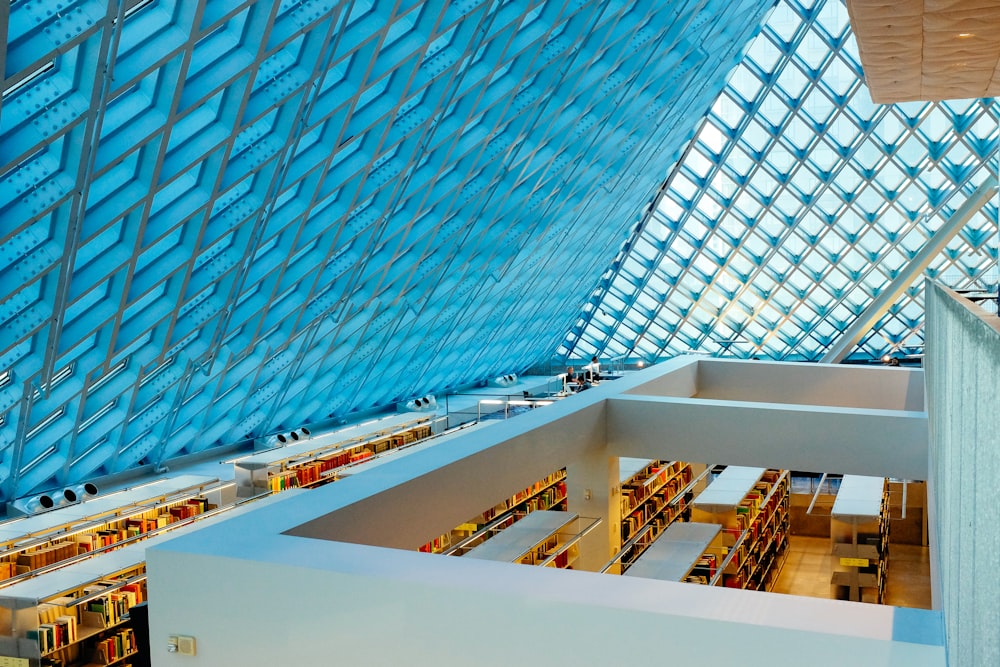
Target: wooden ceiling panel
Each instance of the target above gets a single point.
(928, 49)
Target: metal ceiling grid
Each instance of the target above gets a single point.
(797, 204)
(223, 219)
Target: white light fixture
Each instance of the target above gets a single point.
(36, 504)
(79, 492)
(504, 380)
(426, 403)
(39, 503)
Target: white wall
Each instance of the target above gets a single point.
(299, 583)
(848, 386)
(371, 606)
(963, 387)
(797, 437)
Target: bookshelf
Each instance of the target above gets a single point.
(684, 552)
(859, 535)
(548, 493)
(654, 494)
(751, 506)
(74, 615)
(548, 538)
(32, 544)
(647, 494)
(77, 615)
(318, 460)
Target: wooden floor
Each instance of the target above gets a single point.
(809, 563)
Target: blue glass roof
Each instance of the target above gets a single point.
(224, 219)
(797, 204)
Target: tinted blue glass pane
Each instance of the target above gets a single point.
(831, 198)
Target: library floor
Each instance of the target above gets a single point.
(809, 564)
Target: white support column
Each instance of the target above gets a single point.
(592, 491)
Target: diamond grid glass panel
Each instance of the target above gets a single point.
(223, 219)
(814, 201)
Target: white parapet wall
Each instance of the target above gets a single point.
(963, 386)
(333, 576)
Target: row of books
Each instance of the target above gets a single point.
(535, 488)
(112, 607)
(547, 499)
(137, 525)
(53, 635)
(651, 480)
(564, 559)
(664, 507)
(762, 525)
(540, 552)
(61, 635)
(759, 572)
(113, 532)
(644, 538)
(546, 493)
(311, 471)
(437, 545)
(57, 608)
(749, 507)
(282, 481)
(117, 646)
(60, 620)
(766, 573)
(396, 440)
(521, 497)
(47, 555)
(767, 520)
(705, 567)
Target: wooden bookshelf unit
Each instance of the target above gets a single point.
(77, 614)
(654, 494)
(648, 495)
(548, 493)
(684, 552)
(320, 459)
(859, 535)
(751, 505)
(35, 543)
(544, 537)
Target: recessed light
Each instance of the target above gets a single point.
(966, 34)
